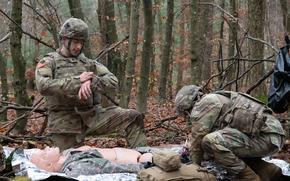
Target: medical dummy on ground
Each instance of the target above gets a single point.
(50, 159)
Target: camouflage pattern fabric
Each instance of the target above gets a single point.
(225, 145)
(74, 28)
(57, 78)
(91, 162)
(2, 159)
(228, 145)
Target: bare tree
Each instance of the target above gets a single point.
(180, 62)
(206, 40)
(233, 35)
(147, 55)
(195, 42)
(107, 20)
(4, 86)
(166, 49)
(130, 66)
(19, 82)
(256, 20)
(285, 6)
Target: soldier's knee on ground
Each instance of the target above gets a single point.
(206, 145)
(136, 117)
(64, 141)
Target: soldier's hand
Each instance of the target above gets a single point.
(86, 76)
(85, 90)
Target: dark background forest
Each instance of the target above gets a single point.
(154, 47)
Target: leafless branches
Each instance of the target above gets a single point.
(26, 33)
(35, 108)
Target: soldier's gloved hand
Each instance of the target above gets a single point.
(86, 76)
(85, 90)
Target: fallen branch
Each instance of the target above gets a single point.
(162, 121)
(19, 139)
(25, 108)
(259, 81)
(111, 47)
(14, 122)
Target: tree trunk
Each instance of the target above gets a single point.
(180, 62)
(157, 32)
(130, 66)
(19, 82)
(285, 6)
(122, 68)
(75, 7)
(256, 22)
(4, 86)
(232, 42)
(166, 49)
(220, 65)
(147, 55)
(109, 34)
(195, 43)
(206, 42)
(101, 11)
(114, 57)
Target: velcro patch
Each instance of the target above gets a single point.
(41, 63)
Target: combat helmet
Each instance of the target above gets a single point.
(186, 97)
(74, 28)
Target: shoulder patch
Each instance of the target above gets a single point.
(42, 63)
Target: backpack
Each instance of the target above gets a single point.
(185, 172)
(245, 114)
(279, 90)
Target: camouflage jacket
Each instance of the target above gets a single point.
(205, 118)
(91, 162)
(57, 78)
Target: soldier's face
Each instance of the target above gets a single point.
(76, 47)
(73, 46)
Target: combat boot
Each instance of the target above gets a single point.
(247, 175)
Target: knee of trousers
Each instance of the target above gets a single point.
(210, 144)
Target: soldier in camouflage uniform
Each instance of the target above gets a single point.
(72, 85)
(229, 126)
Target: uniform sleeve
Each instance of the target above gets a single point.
(104, 80)
(48, 86)
(203, 116)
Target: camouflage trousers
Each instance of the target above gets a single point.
(105, 121)
(91, 162)
(228, 146)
